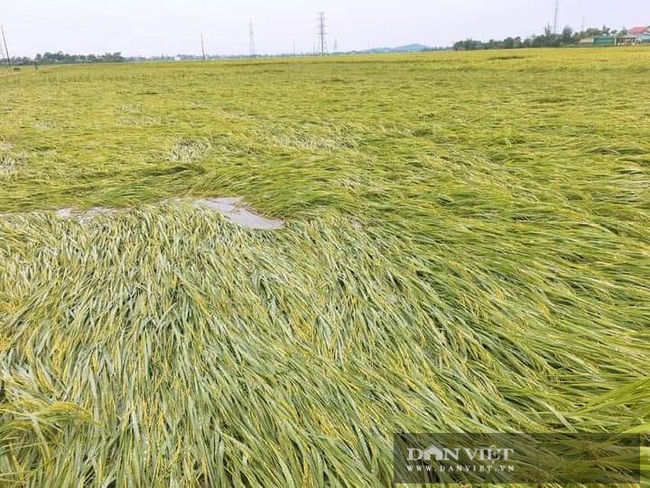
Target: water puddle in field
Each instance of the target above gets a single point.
(236, 211)
(233, 208)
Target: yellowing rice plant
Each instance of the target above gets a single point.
(466, 248)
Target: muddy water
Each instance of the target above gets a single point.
(234, 210)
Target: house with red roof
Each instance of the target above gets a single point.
(639, 31)
(641, 34)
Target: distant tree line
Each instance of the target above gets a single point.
(65, 58)
(548, 39)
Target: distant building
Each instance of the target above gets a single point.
(630, 38)
(625, 40)
(637, 35)
(640, 34)
(639, 31)
(605, 40)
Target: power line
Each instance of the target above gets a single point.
(321, 33)
(4, 40)
(251, 38)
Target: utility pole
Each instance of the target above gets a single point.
(251, 38)
(321, 33)
(202, 47)
(557, 11)
(4, 40)
(583, 23)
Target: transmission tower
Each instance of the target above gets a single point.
(322, 42)
(202, 47)
(336, 46)
(4, 41)
(251, 38)
(557, 11)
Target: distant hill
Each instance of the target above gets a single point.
(410, 48)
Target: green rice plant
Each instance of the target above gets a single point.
(8, 164)
(465, 249)
(10, 161)
(187, 151)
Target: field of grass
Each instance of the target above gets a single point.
(466, 248)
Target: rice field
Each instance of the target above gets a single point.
(465, 248)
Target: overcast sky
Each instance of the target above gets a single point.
(153, 27)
